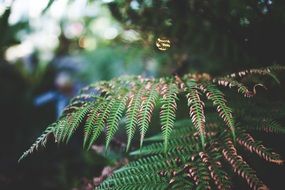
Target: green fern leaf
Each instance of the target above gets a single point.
(186, 165)
(59, 128)
(145, 182)
(168, 109)
(74, 121)
(217, 97)
(155, 148)
(132, 114)
(114, 118)
(100, 121)
(197, 111)
(183, 128)
(90, 121)
(146, 110)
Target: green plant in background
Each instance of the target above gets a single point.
(190, 155)
(213, 35)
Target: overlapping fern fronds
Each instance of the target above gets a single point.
(100, 107)
(187, 165)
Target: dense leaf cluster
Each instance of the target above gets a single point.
(189, 156)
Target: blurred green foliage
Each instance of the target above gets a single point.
(217, 35)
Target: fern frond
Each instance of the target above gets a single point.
(183, 128)
(41, 141)
(74, 120)
(197, 111)
(91, 119)
(72, 107)
(103, 87)
(248, 142)
(218, 175)
(269, 126)
(180, 163)
(145, 113)
(133, 114)
(159, 167)
(178, 160)
(101, 106)
(84, 98)
(114, 118)
(173, 147)
(217, 97)
(59, 129)
(168, 110)
(151, 182)
(240, 167)
(230, 82)
(100, 121)
(199, 173)
(261, 71)
(186, 164)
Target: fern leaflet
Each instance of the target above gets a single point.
(168, 109)
(41, 141)
(114, 118)
(197, 111)
(147, 108)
